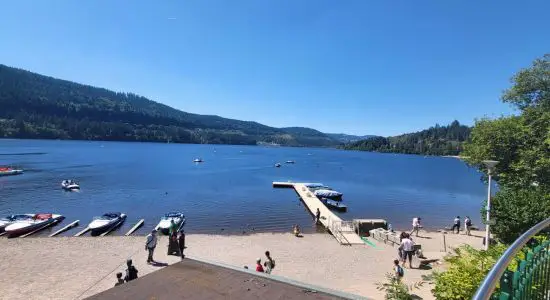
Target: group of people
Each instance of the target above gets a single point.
(131, 274)
(176, 242)
(467, 225)
(268, 266)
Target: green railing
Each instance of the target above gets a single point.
(531, 279)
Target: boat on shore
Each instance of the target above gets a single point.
(4, 222)
(36, 222)
(334, 205)
(8, 171)
(106, 223)
(166, 221)
(69, 185)
(330, 194)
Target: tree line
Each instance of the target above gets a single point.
(437, 140)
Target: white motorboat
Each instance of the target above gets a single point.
(277, 165)
(106, 222)
(198, 160)
(290, 162)
(36, 222)
(7, 171)
(330, 194)
(166, 221)
(12, 219)
(69, 185)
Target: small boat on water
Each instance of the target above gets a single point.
(12, 219)
(7, 171)
(166, 221)
(69, 185)
(290, 162)
(198, 160)
(277, 165)
(335, 205)
(36, 222)
(330, 194)
(106, 222)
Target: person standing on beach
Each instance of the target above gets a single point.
(259, 267)
(173, 228)
(408, 249)
(317, 216)
(467, 225)
(150, 245)
(131, 271)
(119, 279)
(269, 263)
(416, 225)
(456, 225)
(181, 243)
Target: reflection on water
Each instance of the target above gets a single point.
(231, 191)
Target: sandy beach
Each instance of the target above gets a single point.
(75, 268)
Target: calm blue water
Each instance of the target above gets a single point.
(232, 189)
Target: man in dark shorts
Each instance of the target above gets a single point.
(408, 249)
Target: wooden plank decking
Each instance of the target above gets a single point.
(330, 220)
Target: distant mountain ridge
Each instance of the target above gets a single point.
(38, 106)
(437, 140)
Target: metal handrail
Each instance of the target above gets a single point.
(488, 285)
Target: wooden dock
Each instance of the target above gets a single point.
(138, 225)
(342, 230)
(73, 224)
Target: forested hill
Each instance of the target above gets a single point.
(37, 106)
(438, 140)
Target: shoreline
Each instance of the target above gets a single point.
(78, 267)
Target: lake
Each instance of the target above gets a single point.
(231, 191)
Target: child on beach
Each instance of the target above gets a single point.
(398, 270)
(131, 271)
(259, 267)
(296, 230)
(119, 279)
(269, 264)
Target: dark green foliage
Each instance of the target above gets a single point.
(438, 140)
(37, 106)
(516, 210)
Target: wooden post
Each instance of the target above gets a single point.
(444, 243)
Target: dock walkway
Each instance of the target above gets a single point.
(342, 230)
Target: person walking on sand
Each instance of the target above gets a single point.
(181, 243)
(150, 245)
(408, 249)
(131, 271)
(456, 225)
(317, 216)
(119, 279)
(416, 225)
(269, 264)
(467, 225)
(259, 267)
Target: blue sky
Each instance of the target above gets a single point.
(359, 67)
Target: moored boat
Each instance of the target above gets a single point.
(330, 194)
(4, 222)
(7, 171)
(335, 205)
(69, 185)
(166, 221)
(106, 222)
(36, 222)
